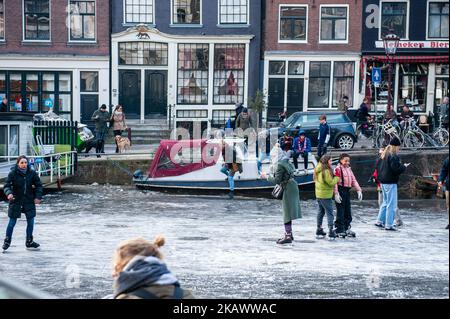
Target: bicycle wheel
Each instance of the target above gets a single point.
(441, 136)
(413, 139)
(382, 140)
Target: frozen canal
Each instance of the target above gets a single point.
(226, 249)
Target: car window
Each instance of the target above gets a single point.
(336, 118)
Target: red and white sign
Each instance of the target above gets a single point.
(417, 45)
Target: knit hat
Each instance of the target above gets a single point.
(301, 133)
(395, 142)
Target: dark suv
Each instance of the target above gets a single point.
(343, 134)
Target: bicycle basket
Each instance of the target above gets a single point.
(389, 128)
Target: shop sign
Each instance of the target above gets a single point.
(417, 45)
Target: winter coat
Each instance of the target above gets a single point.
(389, 169)
(363, 112)
(346, 179)
(443, 110)
(324, 186)
(286, 143)
(3, 107)
(302, 146)
(324, 133)
(119, 123)
(25, 188)
(284, 172)
(243, 123)
(148, 278)
(443, 177)
(101, 121)
(406, 115)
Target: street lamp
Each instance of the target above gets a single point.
(390, 42)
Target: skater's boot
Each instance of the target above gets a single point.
(332, 234)
(341, 234)
(286, 240)
(31, 244)
(320, 233)
(350, 233)
(6, 244)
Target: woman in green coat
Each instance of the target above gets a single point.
(283, 173)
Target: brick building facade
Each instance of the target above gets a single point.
(311, 53)
(55, 54)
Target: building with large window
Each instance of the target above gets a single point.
(54, 54)
(187, 60)
(311, 55)
(420, 66)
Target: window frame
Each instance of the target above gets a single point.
(119, 44)
(130, 23)
(178, 24)
(98, 81)
(3, 38)
(428, 20)
(306, 20)
(347, 31)
(330, 84)
(24, 39)
(352, 77)
(408, 13)
(232, 24)
(83, 40)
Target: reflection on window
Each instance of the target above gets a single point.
(277, 67)
(37, 19)
(393, 16)
(89, 81)
(82, 20)
(193, 62)
(296, 68)
(143, 53)
(319, 84)
(229, 67)
(438, 20)
(233, 11)
(139, 11)
(344, 73)
(220, 118)
(14, 140)
(3, 142)
(186, 11)
(412, 87)
(293, 23)
(2, 20)
(333, 23)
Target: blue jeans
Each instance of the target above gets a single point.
(325, 206)
(225, 171)
(261, 158)
(12, 223)
(390, 200)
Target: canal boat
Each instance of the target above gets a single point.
(197, 164)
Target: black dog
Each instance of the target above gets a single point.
(97, 143)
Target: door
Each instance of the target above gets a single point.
(294, 96)
(155, 93)
(130, 92)
(276, 99)
(89, 104)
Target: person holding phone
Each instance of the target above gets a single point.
(389, 168)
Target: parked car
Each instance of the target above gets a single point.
(16, 290)
(343, 130)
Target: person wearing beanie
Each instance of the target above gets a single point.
(389, 168)
(140, 273)
(302, 147)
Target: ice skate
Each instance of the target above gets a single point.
(331, 234)
(320, 234)
(350, 233)
(286, 240)
(6, 244)
(391, 228)
(342, 235)
(31, 244)
(380, 225)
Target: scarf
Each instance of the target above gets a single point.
(143, 271)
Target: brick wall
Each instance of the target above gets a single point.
(59, 32)
(271, 26)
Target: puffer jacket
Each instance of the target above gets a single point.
(347, 178)
(324, 186)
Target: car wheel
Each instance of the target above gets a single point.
(345, 142)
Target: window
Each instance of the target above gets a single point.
(220, 118)
(394, 16)
(186, 11)
(82, 20)
(37, 20)
(293, 23)
(441, 87)
(333, 23)
(229, 69)
(438, 20)
(143, 53)
(343, 82)
(296, 68)
(319, 84)
(2, 85)
(412, 87)
(189, 114)
(277, 68)
(89, 81)
(233, 11)
(193, 60)
(139, 11)
(2, 20)
(3, 142)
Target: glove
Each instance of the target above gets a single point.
(338, 198)
(360, 196)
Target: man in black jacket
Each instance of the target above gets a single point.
(443, 181)
(23, 189)
(4, 105)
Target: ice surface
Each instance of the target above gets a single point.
(222, 248)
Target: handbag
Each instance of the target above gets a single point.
(278, 191)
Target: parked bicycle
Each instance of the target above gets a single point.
(440, 135)
(410, 135)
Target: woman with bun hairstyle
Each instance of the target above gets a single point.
(140, 273)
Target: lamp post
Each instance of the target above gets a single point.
(390, 42)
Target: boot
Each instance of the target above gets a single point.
(350, 233)
(320, 233)
(332, 234)
(6, 244)
(286, 240)
(31, 244)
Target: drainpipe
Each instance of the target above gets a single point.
(110, 52)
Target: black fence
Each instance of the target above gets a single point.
(57, 132)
